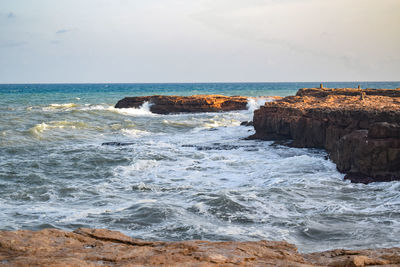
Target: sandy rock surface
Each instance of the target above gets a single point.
(101, 247)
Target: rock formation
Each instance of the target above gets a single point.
(323, 92)
(176, 104)
(100, 247)
(359, 128)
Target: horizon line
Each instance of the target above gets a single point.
(220, 82)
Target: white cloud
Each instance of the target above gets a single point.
(204, 40)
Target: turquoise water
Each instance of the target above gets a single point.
(110, 93)
(185, 176)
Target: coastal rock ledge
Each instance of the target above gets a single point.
(101, 247)
(177, 104)
(360, 129)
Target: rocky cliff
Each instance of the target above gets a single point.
(176, 104)
(359, 128)
(100, 247)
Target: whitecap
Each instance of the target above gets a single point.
(94, 107)
(65, 106)
(38, 129)
(255, 103)
(134, 132)
(147, 201)
(142, 110)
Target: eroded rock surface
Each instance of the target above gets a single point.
(95, 247)
(355, 258)
(323, 92)
(101, 247)
(176, 104)
(361, 132)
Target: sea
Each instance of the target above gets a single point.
(181, 176)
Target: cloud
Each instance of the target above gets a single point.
(13, 44)
(11, 15)
(61, 31)
(55, 42)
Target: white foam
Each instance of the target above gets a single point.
(253, 104)
(134, 132)
(40, 128)
(147, 201)
(67, 106)
(140, 165)
(95, 107)
(142, 110)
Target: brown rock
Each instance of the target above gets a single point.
(355, 258)
(176, 104)
(324, 92)
(361, 136)
(101, 247)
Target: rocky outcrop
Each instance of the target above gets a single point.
(323, 92)
(177, 104)
(361, 132)
(101, 247)
(95, 247)
(355, 258)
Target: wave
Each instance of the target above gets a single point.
(142, 110)
(134, 132)
(252, 105)
(59, 106)
(38, 129)
(256, 103)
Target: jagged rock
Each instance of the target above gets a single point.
(246, 123)
(102, 247)
(361, 136)
(219, 146)
(117, 144)
(176, 104)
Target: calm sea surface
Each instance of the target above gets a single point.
(186, 176)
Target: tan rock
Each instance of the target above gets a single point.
(101, 247)
(361, 136)
(177, 104)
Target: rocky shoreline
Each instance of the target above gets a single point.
(101, 247)
(360, 129)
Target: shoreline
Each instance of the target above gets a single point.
(102, 247)
(359, 128)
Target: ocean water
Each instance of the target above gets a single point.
(184, 176)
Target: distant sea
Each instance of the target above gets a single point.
(185, 176)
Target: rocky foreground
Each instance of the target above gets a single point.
(100, 247)
(177, 104)
(359, 128)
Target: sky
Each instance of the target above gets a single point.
(75, 41)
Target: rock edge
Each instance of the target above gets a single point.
(359, 128)
(102, 247)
